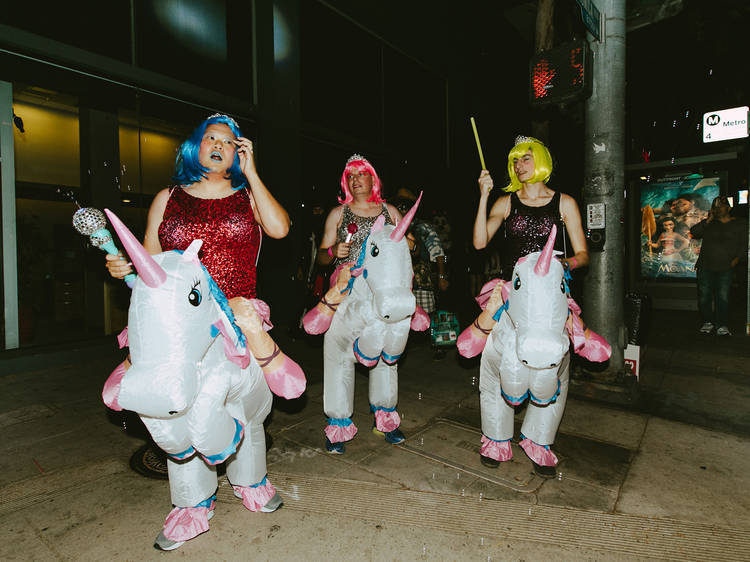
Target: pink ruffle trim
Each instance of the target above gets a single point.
(315, 322)
(255, 498)
(538, 453)
(185, 523)
(122, 338)
(111, 390)
(501, 451)
(470, 344)
(586, 343)
(484, 295)
(288, 381)
(387, 421)
(339, 434)
(420, 320)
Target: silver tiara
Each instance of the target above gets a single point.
(225, 116)
(521, 138)
(354, 157)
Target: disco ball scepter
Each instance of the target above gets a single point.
(91, 222)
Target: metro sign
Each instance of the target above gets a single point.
(725, 124)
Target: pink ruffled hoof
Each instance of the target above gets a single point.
(288, 381)
(386, 421)
(111, 390)
(340, 433)
(469, 344)
(315, 322)
(540, 454)
(255, 498)
(420, 320)
(595, 347)
(497, 450)
(185, 523)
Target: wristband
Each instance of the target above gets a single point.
(574, 263)
(330, 253)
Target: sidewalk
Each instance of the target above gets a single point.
(665, 479)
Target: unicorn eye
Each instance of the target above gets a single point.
(562, 286)
(375, 251)
(194, 297)
(517, 283)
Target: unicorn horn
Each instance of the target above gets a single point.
(148, 270)
(542, 265)
(400, 230)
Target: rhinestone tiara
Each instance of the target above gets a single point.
(354, 157)
(522, 138)
(225, 116)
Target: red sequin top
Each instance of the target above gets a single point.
(231, 237)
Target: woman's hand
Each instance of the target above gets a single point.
(117, 266)
(344, 275)
(496, 300)
(341, 249)
(245, 153)
(245, 315)
(485, 183)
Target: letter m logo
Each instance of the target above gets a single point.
(713, 119)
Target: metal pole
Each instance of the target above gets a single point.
(604, 181)
(8, 182)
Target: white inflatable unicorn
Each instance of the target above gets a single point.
(525, 354)
(371, 326)
(203, 398)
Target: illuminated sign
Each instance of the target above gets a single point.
(561, 74)
(726, 124)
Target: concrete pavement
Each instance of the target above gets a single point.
(663, 478)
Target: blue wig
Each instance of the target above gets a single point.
(188, 168)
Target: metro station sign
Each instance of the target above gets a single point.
(725, 124)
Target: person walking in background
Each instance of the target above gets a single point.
(427, 250)
(723, 243)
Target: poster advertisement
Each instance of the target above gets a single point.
(669, 207)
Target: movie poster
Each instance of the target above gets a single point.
(669, 207)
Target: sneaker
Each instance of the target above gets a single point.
(273, 504)
(544, 471)
(707, 328)
(163, 543)
(489, 462)
(723, 331)
(394, 437)
(335, 448)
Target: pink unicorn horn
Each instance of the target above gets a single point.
(542, 265)
(148, 270)
(400, 230)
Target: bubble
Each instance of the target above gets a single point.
(463, 491)
(421, 440)
(480, 496)
(419, 396)
(559, 476)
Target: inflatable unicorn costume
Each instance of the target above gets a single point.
(371, 326)
(525, 354)
(198, 389)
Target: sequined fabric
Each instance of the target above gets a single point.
(527, 229)
(231, 237)
(364, 224)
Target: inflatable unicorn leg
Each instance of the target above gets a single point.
(497, 415)
(246, 470)
(193, 485)
(338, 388)
(384, 397)
(540, 424)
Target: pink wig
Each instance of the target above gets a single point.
(358, 164)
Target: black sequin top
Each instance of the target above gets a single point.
(527, 230)
(364, 224)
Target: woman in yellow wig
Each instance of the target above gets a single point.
(529, 210)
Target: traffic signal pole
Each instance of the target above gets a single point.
(604, 183)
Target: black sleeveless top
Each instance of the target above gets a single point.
(527, 229)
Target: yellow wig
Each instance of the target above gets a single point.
(542, 162)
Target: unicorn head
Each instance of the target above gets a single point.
(387, 268)
(538, 307)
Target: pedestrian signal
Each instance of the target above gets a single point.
(561, 74)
